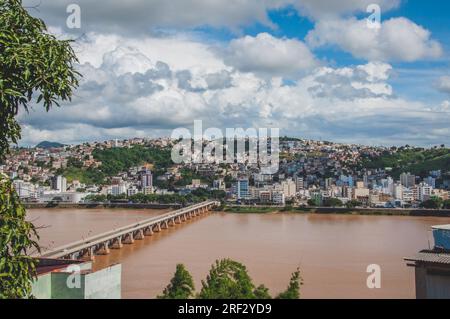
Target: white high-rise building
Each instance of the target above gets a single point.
(289, 188)
(59, 183)
(408, 180)
(398, 191)
(424, 192)
(299, 183)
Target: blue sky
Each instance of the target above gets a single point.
(309, 67)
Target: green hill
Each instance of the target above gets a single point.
(418, 161)
(47, 144)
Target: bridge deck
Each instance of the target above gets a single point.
(107, 237)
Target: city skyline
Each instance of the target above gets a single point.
(312, 69)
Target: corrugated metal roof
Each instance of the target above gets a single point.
(431, 256)
(445, 227)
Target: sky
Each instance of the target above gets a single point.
(315, 69)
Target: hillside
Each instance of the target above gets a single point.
(47, 144)
(418, 161)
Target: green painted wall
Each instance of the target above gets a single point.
(102, 284)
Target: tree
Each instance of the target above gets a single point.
(293, 290)
(35, 67)
(33, 63)
(333, 202)
(446, 204)
(16, 240)
(262, 292)
(311, 202)
(353, 203)
(432, 203)
(227, 279)
(181, 285)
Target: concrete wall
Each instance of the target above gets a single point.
(42, 287)
(104, 284)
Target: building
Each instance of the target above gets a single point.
(289, 188)
(408, 180)
(59, 183)
(278, 198)
(432, 267)
(241, 189)
(299, 183)
(424, 192)
(65, 197)
(75, 279)
(146, 179)
(117, 189)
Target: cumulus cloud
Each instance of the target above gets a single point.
(362, 81)
(140, 16)
(321, 9)
(443, 84)
(398, 39)
(265, 54)
(158, 95)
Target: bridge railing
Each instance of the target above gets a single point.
(98, 239)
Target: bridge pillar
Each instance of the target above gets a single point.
(158, 227)
(129, 239)
(148, 231)
(103, 250)
(172, 222)
(87, 254)
(139, 235)
(178, 220)
(117, 243)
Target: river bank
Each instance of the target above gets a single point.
(254, 209)
(101, 205)
(336, 210)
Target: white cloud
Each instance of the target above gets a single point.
(265, 54)
(134, 90)
(138, 17)
(444, 84)
(322, 9)
(398, 39)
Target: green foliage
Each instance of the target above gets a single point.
(333, 202)
(32, 63)
(311, 202)
(16, 239)
(418, 161)
(262, 292)
(227, 279)
(293, 290)
(432, 203)
(446, 204)
(89, 176)
(115, 160)
(181, 285)
(353, 203)
(95, 198)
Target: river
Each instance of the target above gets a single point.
(332, 251)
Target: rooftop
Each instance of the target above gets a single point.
(431, 256)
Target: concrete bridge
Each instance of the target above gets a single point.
(115, 239)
